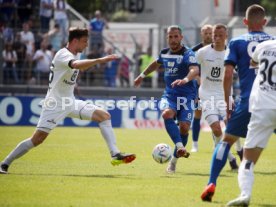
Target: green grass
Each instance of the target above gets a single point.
(72, 168)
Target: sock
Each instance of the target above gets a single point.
(238, 145)
(184, 139)
(109, 136)
(174, 160)
(216, 139)
(230, 156)
(172, 130)
(218, 161)
(246, 177)
(196, 129)
(21, 149)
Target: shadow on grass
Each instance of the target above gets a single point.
(76, 175)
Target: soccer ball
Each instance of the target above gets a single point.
(162, 153)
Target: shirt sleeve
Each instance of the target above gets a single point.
(231, 54)
(255, 54)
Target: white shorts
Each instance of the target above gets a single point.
(49, 118)
(213, 108)
(260, 128)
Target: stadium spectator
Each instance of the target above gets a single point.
(240, 51)
(144, 61)
(206, 37)
(60, 16)
(9, 64)
(24, 10)
(97, 25)
(123, 71)
(62, 79)
(45, 13)
(27, 37)
(7, 9)
(55, 39)
(110, 70)
(263, 118)
(181, 68)
(42, 58)
(211, 60)
(20, 49)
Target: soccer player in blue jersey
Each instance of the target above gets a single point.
(239, 52)
(177, 101)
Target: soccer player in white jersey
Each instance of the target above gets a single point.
(263, 118)
(60, 101)
(211, 94)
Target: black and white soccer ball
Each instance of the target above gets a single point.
(162, 153)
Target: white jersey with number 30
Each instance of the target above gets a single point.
(62, 78)
(212, 71)
(263, 95)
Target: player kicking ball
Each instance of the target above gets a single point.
(60, 101)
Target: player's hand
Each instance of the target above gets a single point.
(179, 82)
(138, 81)
(110, 57)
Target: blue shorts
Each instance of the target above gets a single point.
(183, 107)
(240, 117)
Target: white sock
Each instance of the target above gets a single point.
(195, 144)
(109, 136)
(238, 145)
(246, 177)
(174, 160)
(216, 139)
(21, 149)
(230, 156)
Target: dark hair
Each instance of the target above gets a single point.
(220, 26)
(77, 33)
(255, 12)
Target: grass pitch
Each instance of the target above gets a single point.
(72, 168)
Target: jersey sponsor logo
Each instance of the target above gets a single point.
(170, 64)
(192, 59)
(68, 82)
(172, 70)
(215, 73)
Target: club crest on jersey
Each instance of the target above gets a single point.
(192, 59)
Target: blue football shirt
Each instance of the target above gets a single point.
(239, 53)
(176, 66)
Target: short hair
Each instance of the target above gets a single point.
(174, 27)
(220, 26)
(255, 13)
(77, 33)
(206, 26)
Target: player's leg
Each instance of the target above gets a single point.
(236, 127)
(87, 111)
(260, 128)
(214, 123)
(196, 129)
(46, 123)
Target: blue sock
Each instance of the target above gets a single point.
(218, 161)
(196, 129)
(172, 130)
(184, 139)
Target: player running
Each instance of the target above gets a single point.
(60, 101)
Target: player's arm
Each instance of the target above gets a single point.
(88, 63)
(152, 67)
(227, 87)
(193, 73)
